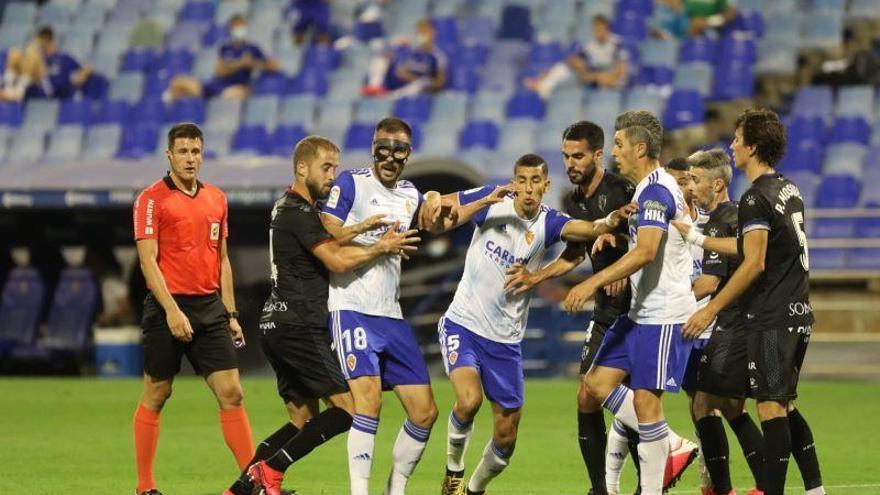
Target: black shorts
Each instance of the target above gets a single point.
(305, 366)
(210, 349)
(592, 342)
(723, 368)
(775, 359)
(691, 370)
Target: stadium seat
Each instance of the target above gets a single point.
(223, 114)
(40, 114)
(813, 100)
(864, 9)
(138, 141)
(101, 142)
(10, 114)
(149, 111)
(219, 142)
(321, 56)
(733, 81)
(479, 134)
(777, 57)
(525, 104)
(630, 24)
(65, 144)
(69, 324)
(127, 86)
(335, 114)
(139, 60)
(270, 84)
(261, 110)
(372, 110)
(463, 78)
(823, 30)
(176, 61)
(850, 130)
(827, 259)
(299, 109)
(737, 47)
(20, 307)
(439, 139)
(650, 99)
(844, 159)
(694, 75)
(855, 101)
(284, 139)
(863, 258)
(515, 23)
(488, 105)
(697, 50)
(197, 11)
(838, 191)
(516, 137)
(309, 80)
(251, 139)
(26, 147)
(359, 136)
(413, 108)
(684, 108)
(188, 110)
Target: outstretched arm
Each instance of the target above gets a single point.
(722, 245)
(521, 280)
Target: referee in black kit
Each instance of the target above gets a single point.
(295, 337)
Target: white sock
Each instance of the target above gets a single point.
(615, 458)
(653, 451)
(376, 71)
(361, 441)
(621, 404)
(458, 435)
(493, 462)
(557, 74)
(819, 490)
(407, 452)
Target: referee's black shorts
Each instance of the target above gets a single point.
(210, 349)
(305, 366)
(723, 367)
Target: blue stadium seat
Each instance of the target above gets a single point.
(309, 80)
(645, 7)
(749, 20)
(270, 84)
(102, 142)
(261, 110)
(96, 87)
(650, 99)
(110, 111)
(472, 55)
(41, 114)
(850, 130)
(684, 108)
(838, 191)
(197, 11)
(139, 60)
(833, 228)
(413, 108)
(463, 78)
(863, 258)
(366, 31)
(517, 137)
(69, 324)
(694, 75)
(219, 142)
(223, 114)
(188, 110)
(868, 227)
(813, 100)
(737, 47)
(65, 144)
(630, 24)
(372, 110)
(488, 105)
(440, 139)
(138, 141)
(525, 104)
(803, 156)
(844, 159)
(150, 111)
(359, 136)
(543, 55)
(284, 139)
(20, 306)
(733, 81)
(479, 134)
(321, 56)
(155, 84)
(823, 29)
(698, 50)
(855, 101)
(27, 146)
(127, 86)
(299, 109)
(176, 61)
(10, 114)
(827, 258)
(515, 23)
(251, 139)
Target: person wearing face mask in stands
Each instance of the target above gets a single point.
(238, 60)
(408, 71)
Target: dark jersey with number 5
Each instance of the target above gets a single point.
(780, 295)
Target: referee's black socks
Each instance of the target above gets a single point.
(323, 427)
(803, 448)
(777, 445)
(592, 439)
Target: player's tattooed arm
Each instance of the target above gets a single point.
(521, 280)
(721, 245)
(754, 255)
(345, 235)
(643, 253)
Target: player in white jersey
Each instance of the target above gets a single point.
(376, 348)
(480, 333)
(646, 344)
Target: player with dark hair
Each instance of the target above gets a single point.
(481, 332)
(295, 337)
(180, 226)
(772, 288)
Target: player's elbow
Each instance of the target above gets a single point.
(337, 265)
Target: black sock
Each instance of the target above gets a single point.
(265, 449)
(777, 450)
(633, 439)
(592, 438)
(752, 443)
(804, 450)
(716, 452)
(323, 427)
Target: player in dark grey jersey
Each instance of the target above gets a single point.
(772, 285)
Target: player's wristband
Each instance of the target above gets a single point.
(694, 237)
(604, 221)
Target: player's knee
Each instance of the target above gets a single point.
(156, 395)
(701, 406)
(425, 416)
(505, 437)
(596, 390)
(468, 406)
(230, 396)
(732, 408)
(585, 401)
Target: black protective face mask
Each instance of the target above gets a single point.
(391, 151)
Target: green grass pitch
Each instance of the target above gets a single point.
(74, 436)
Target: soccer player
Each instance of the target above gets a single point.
(295, 338)
(597, 192)
(376, 347)
(480, 333)
(180, 230)
(646, 344)
(721, 381)
(772, 286)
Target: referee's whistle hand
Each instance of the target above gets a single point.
(179, 325)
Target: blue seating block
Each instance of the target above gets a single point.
(479, 134)
(251, 139)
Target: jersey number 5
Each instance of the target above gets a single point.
(797, 221)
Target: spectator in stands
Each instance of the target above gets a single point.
(600, 62)
(708, 14)
(239, 58)
(314, 14)
(670, 20)
(41, 70)
(407, 71)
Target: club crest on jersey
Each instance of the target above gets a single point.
(530, 237)
(351, 361)
(453, 357)
(215, 231)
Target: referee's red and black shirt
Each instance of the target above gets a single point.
(188, 230)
